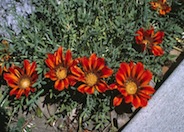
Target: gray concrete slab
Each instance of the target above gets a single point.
(165, 111)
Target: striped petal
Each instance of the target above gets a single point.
(59, 56)
(144, 101)
(106, 72)
(59, 85)
(13, 92)
(100, 64)
(139, 37)
(68, 58)
(158, 37)
(81, 88)
(125, 69)
(149, 32)
(157, 50)
(85, 63)
(101, 86)
(50, 62)
(137, 70)
(12, 77)
(52, 75)
(145, 78)
(117, 100)
(120, 79)
(136, 101)
(66, 83)
(147, 90)
(77, 71)
(92, 61)
(89, 90)
(19, 93)
(129, 98)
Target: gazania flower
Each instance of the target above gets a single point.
(59, 66)
(161, 6)
(92, 74)
(21, 79)
(150, 40)
(132, 81)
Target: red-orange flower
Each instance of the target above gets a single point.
(161, 6)
(150, 40)
(59, 66)
(21, 79)
(132, 81)
(91, 75)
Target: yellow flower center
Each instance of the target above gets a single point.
(61, 73)
(146, 42)
(131, 87)
(91, 79)
(24, 82)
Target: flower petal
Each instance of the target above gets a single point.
(26, 91)
(90, 90)
(113, 86)
(13, 92)
(125, 69)
(145, 78)
(137, 70)
(92, 61)
(129, 98)
(52, 75)
(76, 71)
(27, 66)
(144, 101)
(85, 63)
(81, 88)
(122, 91)
(12, 84)
(101, 86)
(120, 79)
(72, 80)
(19, 93)
(50, 62)
(68, 58)
(117, 100)
(12, 77)
(140, 94)
(58, 56)
(157, 50)
(136, 101)
(59, 85)
(106, 72)
(100, 64)
(32, 69)
(147, 90)
(149, 32)
(139, 37)
(66, 82)
(158, 37)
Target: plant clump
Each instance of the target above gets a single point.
(86, 59)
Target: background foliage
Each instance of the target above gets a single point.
(104, 27)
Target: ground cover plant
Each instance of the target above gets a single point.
(85, 59)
